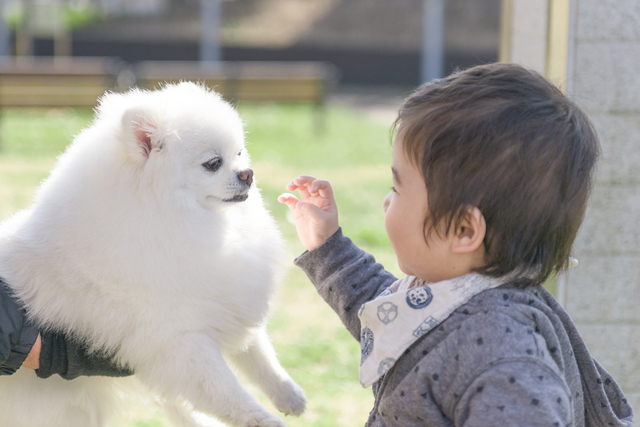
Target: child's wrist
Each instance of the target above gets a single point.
(321, 240)
(330, 236)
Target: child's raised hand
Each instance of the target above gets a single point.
(316, 216)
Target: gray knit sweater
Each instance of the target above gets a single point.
(509, 357)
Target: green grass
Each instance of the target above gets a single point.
(354, 153)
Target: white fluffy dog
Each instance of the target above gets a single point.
(149, 240)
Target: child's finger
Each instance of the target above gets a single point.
(309, 186)
(300, 182)
(291, 186)
(321, 187)
(304, 179)
(289, 199)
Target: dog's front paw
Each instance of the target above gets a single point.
(264, 420)
(290, 398)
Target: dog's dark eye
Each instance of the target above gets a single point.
(239, 152)
(213, 165)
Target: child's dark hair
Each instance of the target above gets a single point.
(503, 139)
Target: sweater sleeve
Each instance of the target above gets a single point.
(17, 334)
(345, 276)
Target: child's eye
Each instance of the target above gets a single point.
(393, 189)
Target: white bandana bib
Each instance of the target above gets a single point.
(407, 310)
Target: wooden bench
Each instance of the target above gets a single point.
(249, 81)
(45, 82)
(246, 81)
(78, 82)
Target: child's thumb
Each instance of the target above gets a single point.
(308, 209)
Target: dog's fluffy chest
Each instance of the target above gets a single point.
(189, 272)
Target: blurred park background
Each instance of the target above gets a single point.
(318, 83)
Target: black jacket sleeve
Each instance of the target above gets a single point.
(59, 354)
(17, 334)
(70, 359)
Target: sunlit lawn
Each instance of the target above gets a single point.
(353, 153)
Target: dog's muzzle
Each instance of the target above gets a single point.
(246, 178)
(237, 198)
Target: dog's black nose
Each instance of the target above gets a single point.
(246, 176)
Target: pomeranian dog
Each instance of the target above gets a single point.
(151, 241)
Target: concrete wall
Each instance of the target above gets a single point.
(603, 292)
(602, 74)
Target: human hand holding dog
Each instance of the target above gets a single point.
(33, 359)
(70, 359)
(316, 216)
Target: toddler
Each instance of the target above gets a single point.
(492, 169)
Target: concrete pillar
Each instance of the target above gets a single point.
(210, 15)
(526, 21)
(432, 39)
(593, 52)
(603, 297)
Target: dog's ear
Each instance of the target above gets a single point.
(140, 134)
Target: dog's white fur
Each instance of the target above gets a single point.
(133, 244)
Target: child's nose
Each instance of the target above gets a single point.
(386, 202)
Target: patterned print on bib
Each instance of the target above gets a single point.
(387, 312)
(419, 297)
(406, 311)
(366, 344)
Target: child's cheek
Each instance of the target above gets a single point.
(386, 202)
(390, 226)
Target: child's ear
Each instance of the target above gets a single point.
(470, 234)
